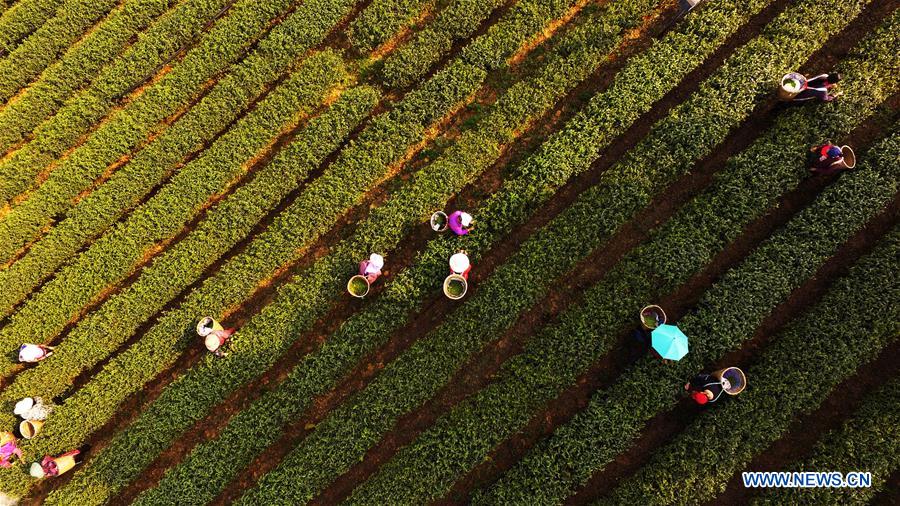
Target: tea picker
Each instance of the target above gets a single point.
(796, 87)
(371, 268)
(828, 159)
(8, 449)
(457, 282)
(369, 271)
(214, 336)
(33, 412)
(461, 222)
(708, 388)
(55, 466)
(31, 353)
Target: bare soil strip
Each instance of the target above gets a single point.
(808, 429)
(662, 428)
(890, 496)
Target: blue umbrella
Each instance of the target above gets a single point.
(670, 342)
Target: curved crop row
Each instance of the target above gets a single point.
(344, 436)
(457, 21)
(285, 234)
(216, 52)
(595, 436)
(158, 43)
(382, 19)
(45, 45)
(137, 178)
(555, 357)
(76, 68)
(22, 18)
(461, 163)
(869, 441)
(703, 457)
(113, 257)
(356, 169)
(229, 222)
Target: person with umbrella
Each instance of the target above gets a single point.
(705, 388)
(669, 342)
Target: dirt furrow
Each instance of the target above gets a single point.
(808, 429)
(664, 426)
(343, 310)
(891, 494)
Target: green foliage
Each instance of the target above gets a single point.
(112, 257)
(45, 45)
(556, 356)
(869, 441)
(378, 22)
(836, 338)
(224, 225)
(81, 63)
(726, 316)
(454, 23)
(150, 167)
(22, 18)
(226, 41)
(474, 152)
(359, 167)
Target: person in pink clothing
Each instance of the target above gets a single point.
(461, 222)
(371, 268)
(8, 449)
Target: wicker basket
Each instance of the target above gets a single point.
(736, 379)
(652, 317)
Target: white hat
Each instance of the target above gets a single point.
(212, 342)
(459, 262)
(23, 406)
(465, 219)
(36, 471)
(376, 260)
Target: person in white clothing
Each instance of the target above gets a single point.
(34, 352)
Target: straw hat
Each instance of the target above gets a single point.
(465, 219)
(459, 262)
(23, 406)
(212, 342)
(376, 260)
(6, 437)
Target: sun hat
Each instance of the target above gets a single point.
(459, 262)
(36, 471)
(23, 406)
(212, 342)
(376, 260)
(465, 219)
